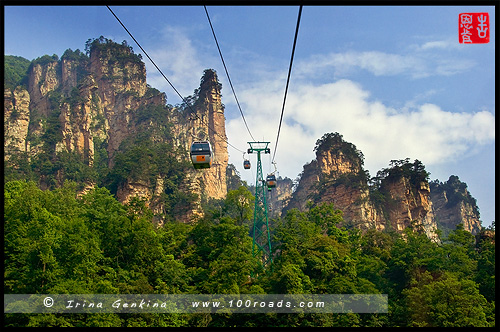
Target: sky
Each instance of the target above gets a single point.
(393, 80)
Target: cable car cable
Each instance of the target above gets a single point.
(288, 79)
(227, 73)
(173, 87)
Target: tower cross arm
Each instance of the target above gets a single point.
(256, 147)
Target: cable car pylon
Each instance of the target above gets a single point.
(261, 237)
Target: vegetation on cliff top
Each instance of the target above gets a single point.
(15, 71)
(456, 192)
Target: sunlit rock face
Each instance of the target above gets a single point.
(336, 176)
(85, 103)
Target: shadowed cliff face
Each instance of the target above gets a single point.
(96, 106)
(397, 198)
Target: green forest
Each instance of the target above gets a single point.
(60, 241)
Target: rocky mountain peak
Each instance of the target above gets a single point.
(400, 196)
(95, 110)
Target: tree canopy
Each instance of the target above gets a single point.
(15, 71)
(61, 241)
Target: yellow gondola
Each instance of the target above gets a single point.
(201, 154)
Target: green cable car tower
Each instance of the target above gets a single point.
(261, 238)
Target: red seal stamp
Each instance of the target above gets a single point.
(474, 28)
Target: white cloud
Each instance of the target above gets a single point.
(416, 63)
(378, 63)
(424, 132)
(445, 67)
(444, 44)
(179, 60)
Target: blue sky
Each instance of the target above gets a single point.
(393, 80)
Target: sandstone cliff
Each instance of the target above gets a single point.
(207, 123)
(279, 197)
(398, 197)
(408, 203)
(16, 121)
(453, 204)
(91, 108)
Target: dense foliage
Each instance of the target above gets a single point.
(15, 71)
(121, 52)
(57, 241)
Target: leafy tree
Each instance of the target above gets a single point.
(239, 205)
(314, 251)
(76, 55)
(415, 172)
(72, 166)
(446, 301)
(327, 218)
(374, 258)
(32, 235)
(220, 259)
(460, 253)
(485, 276)
(411, 254)
(291, 280)
(122, 52)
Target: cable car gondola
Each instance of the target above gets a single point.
(201, 154)
(271, 181)
(246, 164)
